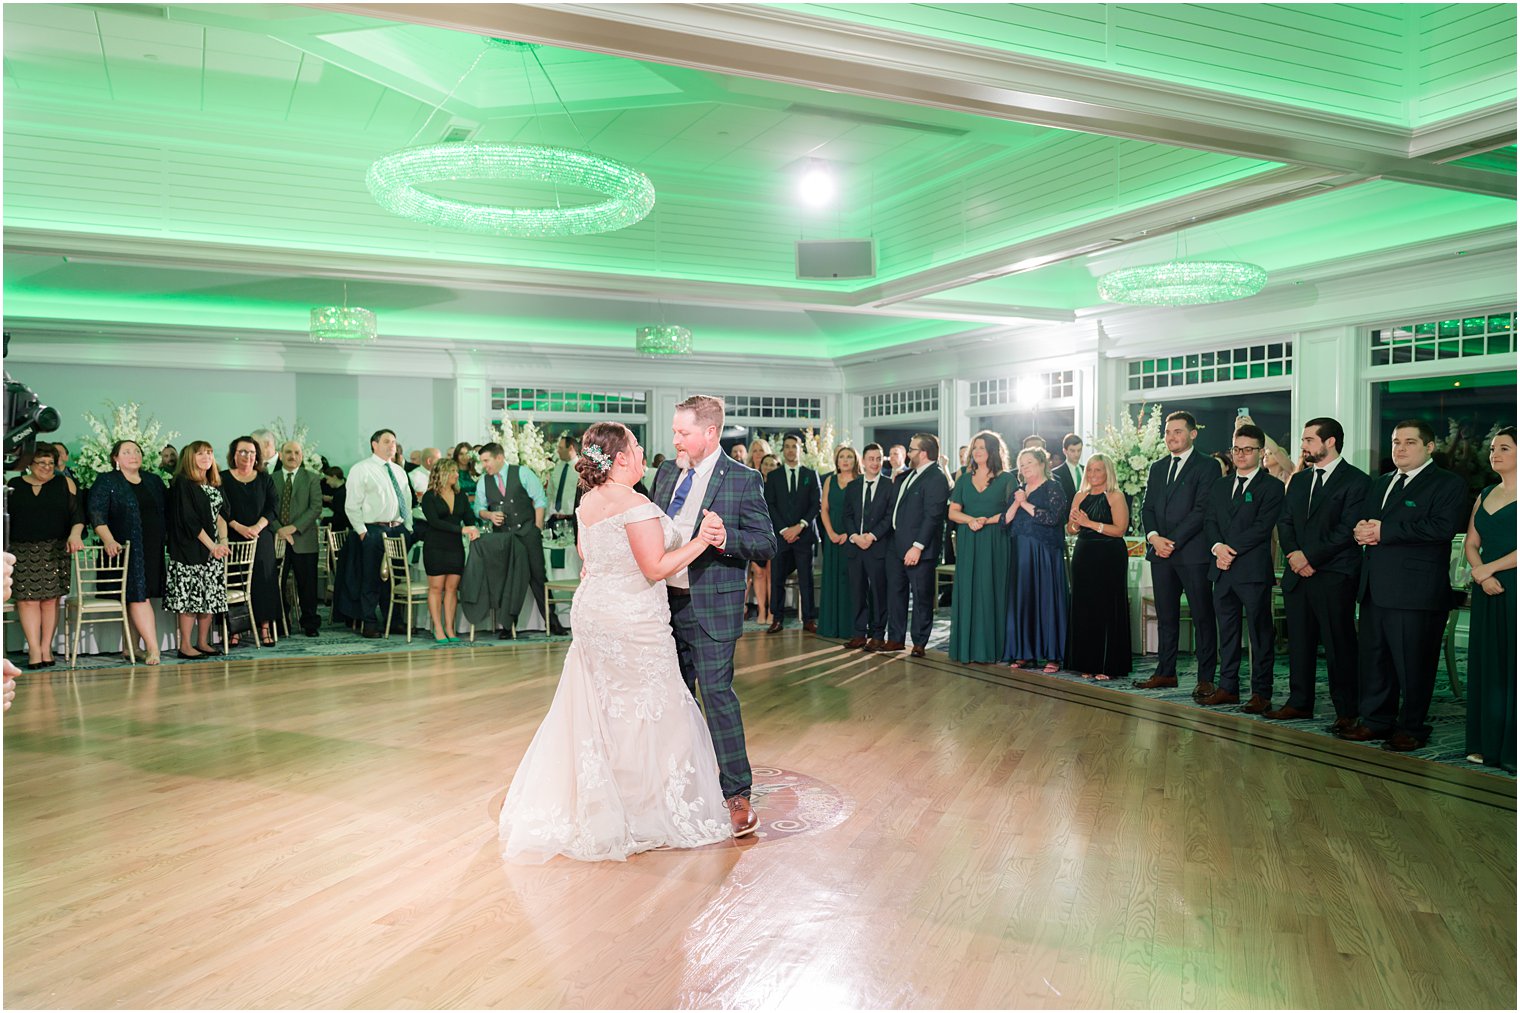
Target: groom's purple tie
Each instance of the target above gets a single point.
(682, 491)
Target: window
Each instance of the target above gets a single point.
(522, 401)
(1012, 390)
(1248, 362)
(763, 407)
(1462, 337)
(913, 401)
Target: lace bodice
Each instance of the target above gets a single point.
(608, 555)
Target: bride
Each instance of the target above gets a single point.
(623, 761)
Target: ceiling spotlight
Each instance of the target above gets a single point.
(1027, 392)
(817, 186)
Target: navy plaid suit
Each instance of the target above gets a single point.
(709, 620)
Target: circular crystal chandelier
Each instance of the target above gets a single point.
(1182, 283)
(662, 339)
(342, 323)
(396, 181)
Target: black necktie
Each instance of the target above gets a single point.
(559, 490)
(791, 480)
(865, 504)
(1171, 475)
(1240, 485)
(1395, 489)
(1319, 484)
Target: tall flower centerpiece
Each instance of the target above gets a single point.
(301, 433)
(525, 444)
(121, 422)
(1132, 446)
(818, 448)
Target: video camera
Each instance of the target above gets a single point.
(26, 417)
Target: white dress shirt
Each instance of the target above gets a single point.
(686, 518)
(1408, 477)
(564, 503)
(371, 497)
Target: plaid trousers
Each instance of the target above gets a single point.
(707, 665)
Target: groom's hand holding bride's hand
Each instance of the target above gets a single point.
(712, 530)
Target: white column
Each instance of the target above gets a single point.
(1327, 381)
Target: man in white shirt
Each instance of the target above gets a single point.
(378, 507)
(420, 476)
(267, 454)
(563, 488)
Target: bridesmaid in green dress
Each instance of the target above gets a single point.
(836, 605)
(983, 553)
(1490, 548)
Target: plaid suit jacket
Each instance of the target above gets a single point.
(735, 494)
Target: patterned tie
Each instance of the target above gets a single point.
(682, 491)
(285, 502)
(1317, 487)
(1240, 485)
(400, 510)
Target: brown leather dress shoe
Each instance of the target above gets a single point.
(1402, 742)
(873, 645)
(1340, 725)
(810, 626)
(1361, 733)
(891, 646)
(1204, 689)
(917, 652)
(774, 627)
(1218, 697)
(1257, 705)
(1158, 682)
(740, 815)
(1287, 713)
(854, 643)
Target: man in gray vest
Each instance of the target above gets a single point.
(510, 498)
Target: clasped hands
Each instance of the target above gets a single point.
(1020, 501)
(1483, 576)
(1368, 532)
(1164, 546)
(712, 530)
(1078, 519)
(1299, 564)
(1224, 556)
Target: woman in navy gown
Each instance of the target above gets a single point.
(1037, 612)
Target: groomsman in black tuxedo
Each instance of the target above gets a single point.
(897, 462)
(1237, 525)
(1175, 497)
(1068, 474)
(792, 496)
(918, 525)
(1408, 521)
(1319, 585)
(868, 521)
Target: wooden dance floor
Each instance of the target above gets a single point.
(323, 834)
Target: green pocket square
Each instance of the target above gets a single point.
(1409, 502)
(1248, 497)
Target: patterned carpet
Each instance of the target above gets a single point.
(1448, 715)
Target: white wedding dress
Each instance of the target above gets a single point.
(623, 761)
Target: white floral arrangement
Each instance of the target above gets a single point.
(1133, 447)
(818, 448)
(525, 444)
(301, 433)
(122, 422)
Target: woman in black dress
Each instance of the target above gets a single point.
(335, 498)
(197, 549)
(251, 516)
(448, 515)
(1099, 625)
(127, 505)
(46, 524)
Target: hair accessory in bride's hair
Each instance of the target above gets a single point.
(598, 457)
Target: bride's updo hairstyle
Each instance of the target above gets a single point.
(600, 446)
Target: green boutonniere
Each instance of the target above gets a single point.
(1248, 497)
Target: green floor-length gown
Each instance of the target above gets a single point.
(836, 605)
(979, 605)
(1491, 646)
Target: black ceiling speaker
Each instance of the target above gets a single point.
(827, 259)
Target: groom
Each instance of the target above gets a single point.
(712, 490)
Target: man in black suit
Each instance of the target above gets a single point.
(1068, 474)
(1408, 521)
(918, 526)
(1319, 585)
(868, 521)
(1237, 526)
(792, 496)
(1175, 496)
(897, 462)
